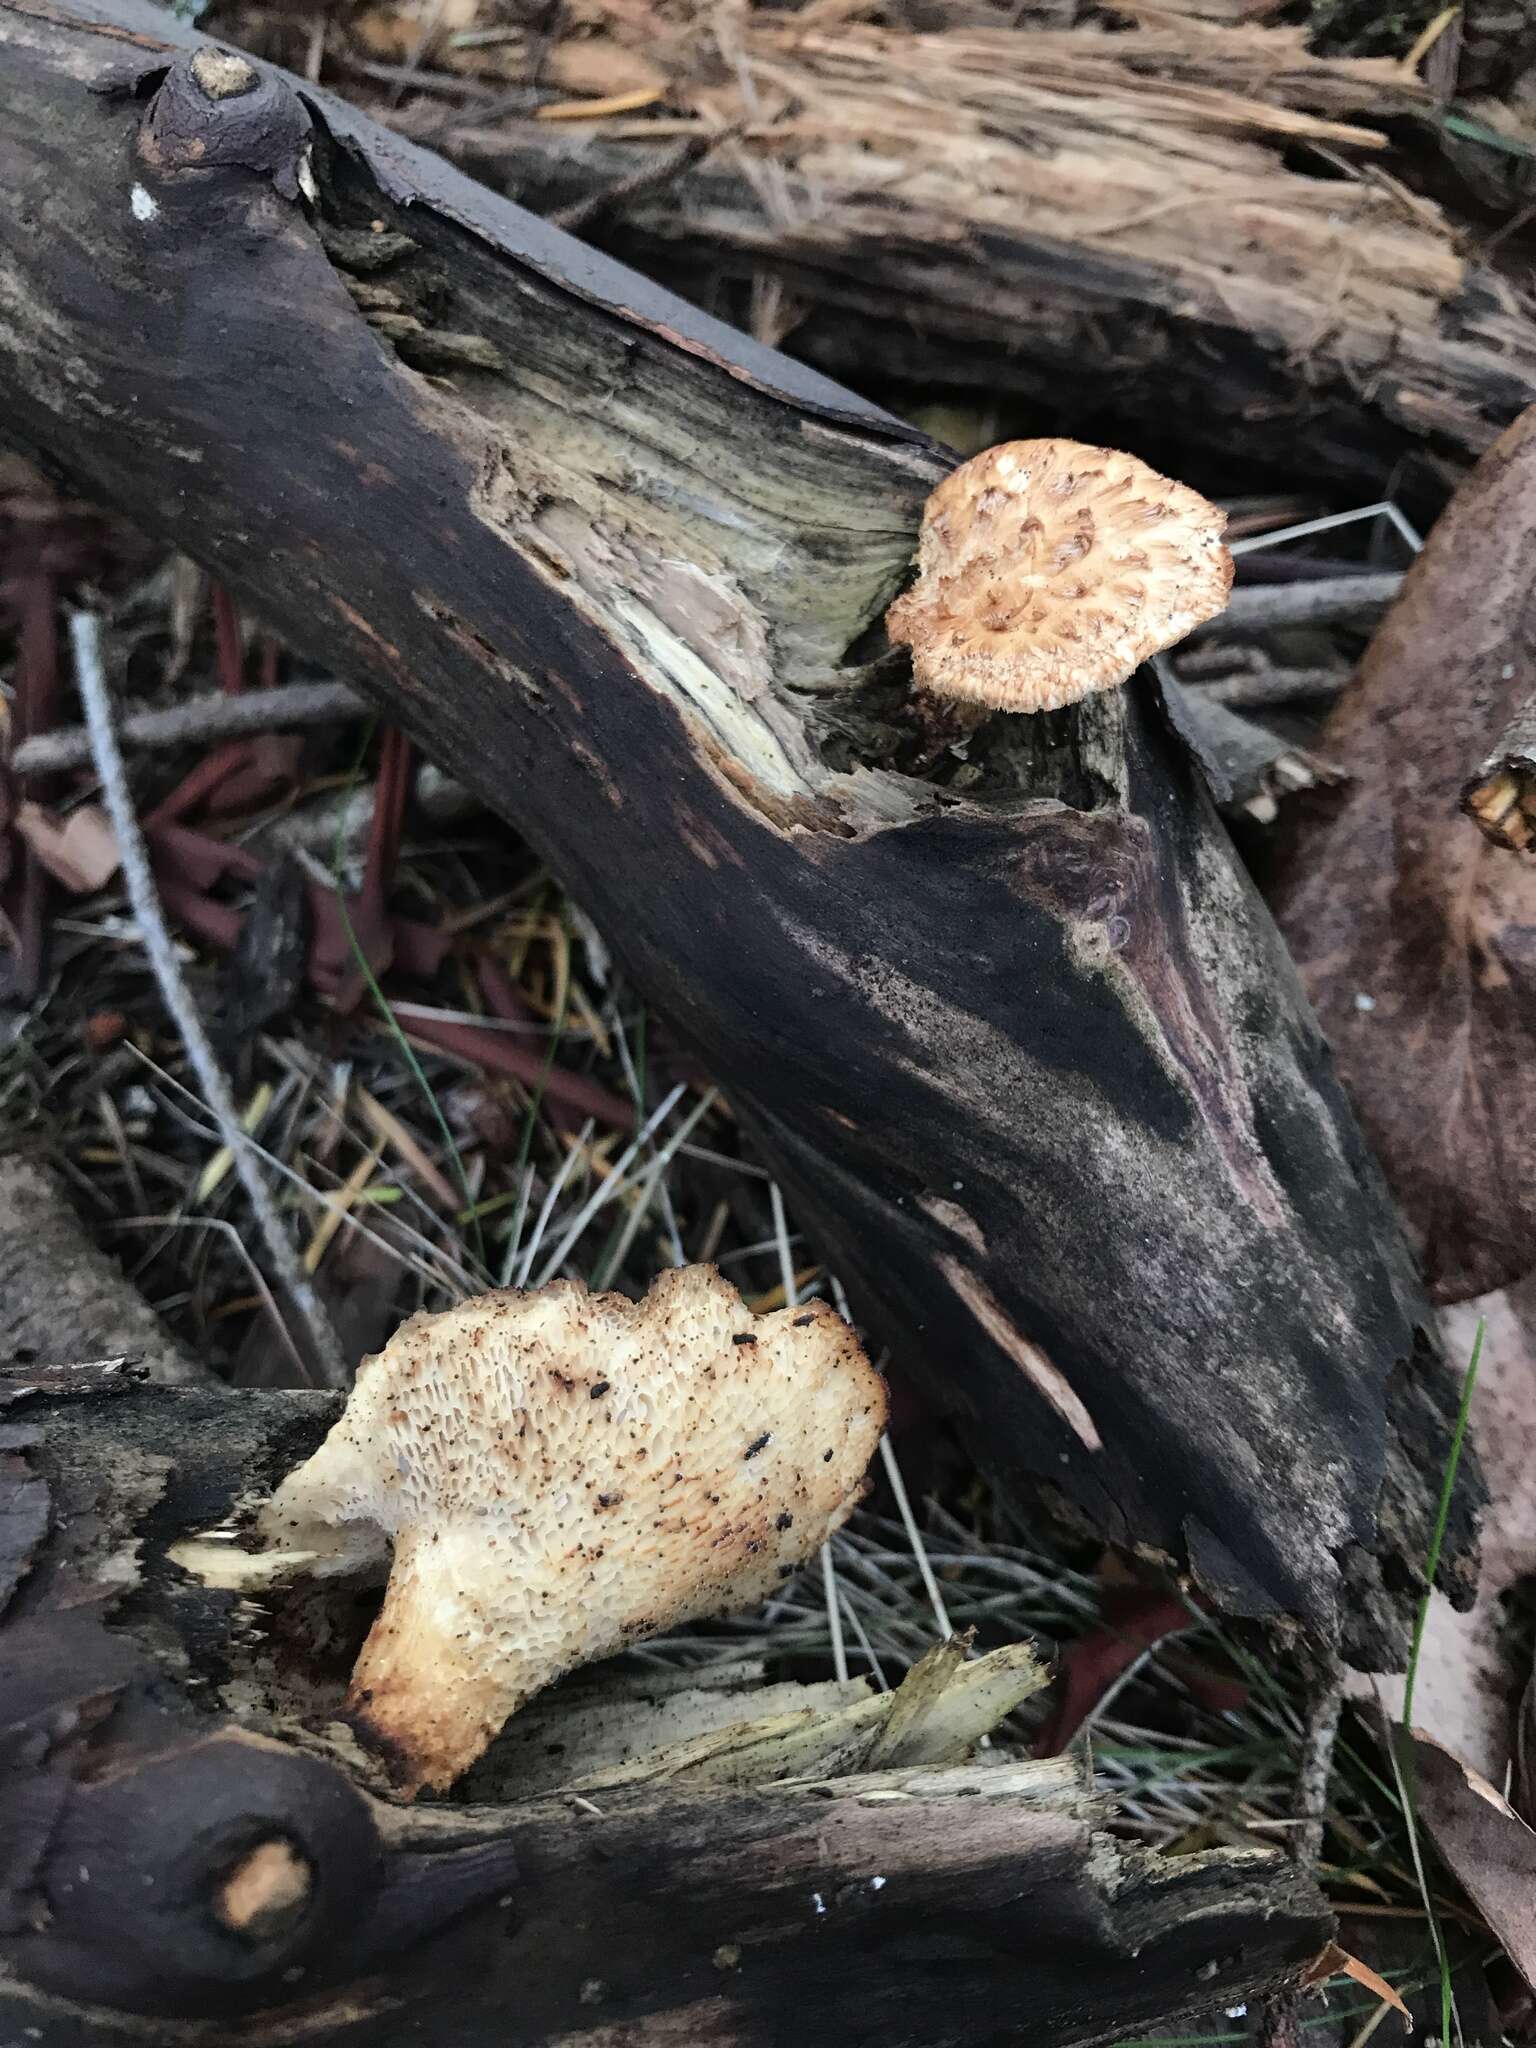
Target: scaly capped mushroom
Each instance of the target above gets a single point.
(1048, 570)
(564, 1473)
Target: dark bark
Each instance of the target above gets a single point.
(160, 1865)
(1031, 1058)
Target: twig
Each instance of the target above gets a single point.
(214, 717)
(1259, 608)
(1248, 767)
(829, 1588)
(1314, 1766)
(682, 156)
(85, 636)
(1279, 2023)
(1269, 689)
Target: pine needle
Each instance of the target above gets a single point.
(392, 1023)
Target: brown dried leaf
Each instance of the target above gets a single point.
(80, 852)
(1466, 1694)
(1338, 1962)
(1415, 936)
(1486, 1843)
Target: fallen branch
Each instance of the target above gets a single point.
(1269, 689)
(1030, 1060)
(1249, 768)
(60, 1297)
(1263, 607)
(242, 1886)
(1013, 211)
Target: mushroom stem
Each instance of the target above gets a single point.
(437, 1676)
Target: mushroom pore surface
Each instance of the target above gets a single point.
(562, 1474)
(1048, 570)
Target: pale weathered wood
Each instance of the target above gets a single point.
(1141, 223)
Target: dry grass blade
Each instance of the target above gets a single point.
(85, 631)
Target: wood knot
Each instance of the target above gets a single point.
(221, 74)
(215, 110)
(266, 1892)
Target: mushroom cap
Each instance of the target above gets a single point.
(563, 1474)
(1048, 570)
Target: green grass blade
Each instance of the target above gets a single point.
(1402, 1755)
(1442, 1519)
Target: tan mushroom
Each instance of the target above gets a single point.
(1048, 570)
(562, 1474)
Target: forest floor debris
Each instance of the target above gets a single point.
(487, 1103)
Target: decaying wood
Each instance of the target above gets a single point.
(1501, 797)
(61, 1298)
(1248, 768)
(1103, 222)
(1414, 933)
(1030, 1057)
(171, 1872)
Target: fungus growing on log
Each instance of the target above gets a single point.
(1048, 570)
(562, 1474)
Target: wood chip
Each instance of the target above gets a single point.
(80, 852)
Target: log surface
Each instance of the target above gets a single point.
(60, 1297)
(1030, 1056)
(1140, 227)
(165, 1870)
(1415, 932)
